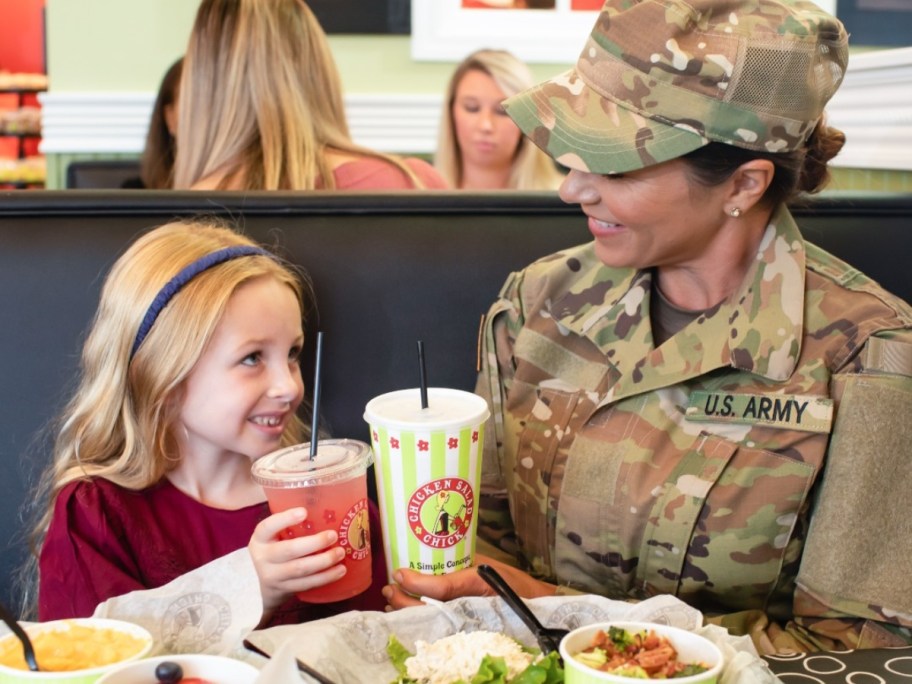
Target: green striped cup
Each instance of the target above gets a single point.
(428, 467)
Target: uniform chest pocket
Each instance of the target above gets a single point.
(725, 524)
(649, 509)
(542, 439)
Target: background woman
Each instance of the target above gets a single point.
(479, 147)
(157, 163)
(261, 107)
(699, 402)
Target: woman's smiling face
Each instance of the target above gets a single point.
(652, 217)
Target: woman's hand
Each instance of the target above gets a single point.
(286, 566)
(410, 584)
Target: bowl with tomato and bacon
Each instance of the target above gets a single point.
(619, 652)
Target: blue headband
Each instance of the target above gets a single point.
(186, 274)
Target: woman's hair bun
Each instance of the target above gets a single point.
(824, 143)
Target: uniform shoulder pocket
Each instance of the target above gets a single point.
(860, 513)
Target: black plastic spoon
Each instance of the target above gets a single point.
(548, 638)
(27, 649)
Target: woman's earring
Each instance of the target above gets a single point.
(734, 212)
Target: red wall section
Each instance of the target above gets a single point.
(22, 35)
(21, 50)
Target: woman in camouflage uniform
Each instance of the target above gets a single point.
(699, 402)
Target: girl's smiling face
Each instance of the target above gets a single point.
(246, 386)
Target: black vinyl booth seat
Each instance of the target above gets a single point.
(387, 269)
(97, 174)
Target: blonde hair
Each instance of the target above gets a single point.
(532, 168)
(119, 424)
(261, 100)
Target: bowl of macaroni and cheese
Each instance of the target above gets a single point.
(76, 651)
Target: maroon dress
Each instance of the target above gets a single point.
(105, 541)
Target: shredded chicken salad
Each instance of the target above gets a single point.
(457, 656)
(467, 657)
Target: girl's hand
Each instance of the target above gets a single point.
(286, 566)
(410, 584)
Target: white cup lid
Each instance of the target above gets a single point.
(448, 409)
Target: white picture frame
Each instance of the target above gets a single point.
(444, 31)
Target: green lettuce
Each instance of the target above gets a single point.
(397, 654)
(623, 639)
(548, 670)
(493, 670)
(691, 669)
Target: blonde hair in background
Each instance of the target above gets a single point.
(532, 168)
(119, 424)
(261, 99)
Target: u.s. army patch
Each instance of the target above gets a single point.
(791, 411)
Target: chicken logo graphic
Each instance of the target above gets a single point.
(195, 621)
(440, 512)
(354, 532)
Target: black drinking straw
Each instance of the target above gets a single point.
(315, 420)
(422, 375)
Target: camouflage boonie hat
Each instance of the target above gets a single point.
(660, 78)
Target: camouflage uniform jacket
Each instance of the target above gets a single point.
(697, 468)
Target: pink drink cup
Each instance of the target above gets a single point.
(333, 489)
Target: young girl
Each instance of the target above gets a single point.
(189, 373)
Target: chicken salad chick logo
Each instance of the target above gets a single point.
(195, 621)
(354, 532)
(440, 512)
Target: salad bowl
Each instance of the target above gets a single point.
(690, 648)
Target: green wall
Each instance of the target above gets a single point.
(114, 45)
(126, 45)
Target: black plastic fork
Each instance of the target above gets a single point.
(548, 638)
(27, 649)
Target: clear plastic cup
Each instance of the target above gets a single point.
(333, 488)
(428, 469)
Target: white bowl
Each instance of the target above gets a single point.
(690, 647)
(214, 668)
(86, 676)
